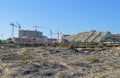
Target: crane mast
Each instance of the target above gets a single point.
(13, 25)
(36, 27)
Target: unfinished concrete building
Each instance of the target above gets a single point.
(30, 34)
(29, 37)
(91, 36)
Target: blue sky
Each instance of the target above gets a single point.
(66, 16)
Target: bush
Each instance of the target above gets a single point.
(48, 73)
(104, 76)
(3, 41)
(26, 59)
(93, 59)
(67, 45)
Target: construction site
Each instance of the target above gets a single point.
(89, 40)
(90, 54)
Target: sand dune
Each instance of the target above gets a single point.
(51, 62)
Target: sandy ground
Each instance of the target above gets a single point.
(56, 62)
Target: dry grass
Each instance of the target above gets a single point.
(51, 62)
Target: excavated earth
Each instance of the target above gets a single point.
(56, 62)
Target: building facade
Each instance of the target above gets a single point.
(30, 34)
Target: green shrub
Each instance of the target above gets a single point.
(67, 45)
(26, 59)
(104, 76)
(93, 59)
(49, 73)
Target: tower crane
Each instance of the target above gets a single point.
(36, 27)
(13, 25)
(58, 33)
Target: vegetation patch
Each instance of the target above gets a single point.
(93, 59)
(11, 56)
(67, 45)
(104, 76)
(26, 59)
(48, 73)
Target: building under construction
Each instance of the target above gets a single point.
(31, 34)
(29, 37)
